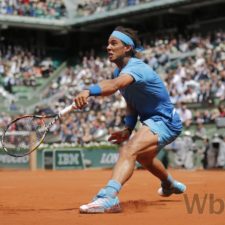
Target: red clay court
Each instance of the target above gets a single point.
(54, 197)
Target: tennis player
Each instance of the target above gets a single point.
(147, 100)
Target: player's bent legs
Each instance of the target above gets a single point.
(166, 134)
(153, 165)
(169, 186)
(142, 140)
(106, 200)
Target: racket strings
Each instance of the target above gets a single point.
(24, 135)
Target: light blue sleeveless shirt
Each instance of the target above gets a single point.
(147, 94)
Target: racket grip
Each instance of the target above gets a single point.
(67, 110)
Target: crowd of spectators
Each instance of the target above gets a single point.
(22, 67)
(56, 9)
(89, 7)
(196, 78)
(49, 9)
(189, 154)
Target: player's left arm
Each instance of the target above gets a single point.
(130, 118)
(130, 122)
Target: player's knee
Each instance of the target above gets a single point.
(145, 162)
(128, 151)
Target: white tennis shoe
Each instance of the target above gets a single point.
(102, 205)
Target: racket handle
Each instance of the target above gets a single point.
(67, 110)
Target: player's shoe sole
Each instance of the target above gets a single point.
(99, 209)
(177, 188)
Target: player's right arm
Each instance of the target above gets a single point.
(103, 88)
(109, 87)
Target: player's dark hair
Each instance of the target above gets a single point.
(133, 34)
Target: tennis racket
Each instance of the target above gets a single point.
(26, 133)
